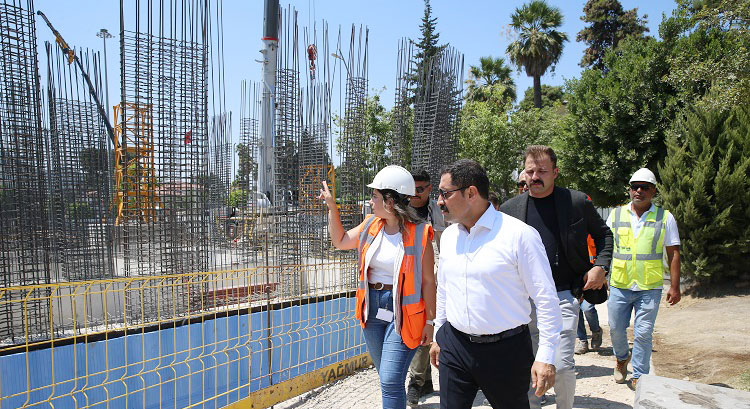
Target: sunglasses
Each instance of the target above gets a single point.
(643, 186)
(521, 184)
(449, 193)
(421, 189)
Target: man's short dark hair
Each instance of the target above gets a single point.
(494, 199)
(420, 175)
(538, 151)
(465, 173)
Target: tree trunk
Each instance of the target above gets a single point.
(537, 91)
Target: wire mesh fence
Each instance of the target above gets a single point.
(104, 347)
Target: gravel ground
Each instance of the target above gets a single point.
(595, 387)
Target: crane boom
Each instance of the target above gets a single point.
(72, 57)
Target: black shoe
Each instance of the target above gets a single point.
(427, 388)
(412, 395)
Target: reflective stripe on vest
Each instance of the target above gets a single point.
(638, 260)
(407, 297)
(416, 250)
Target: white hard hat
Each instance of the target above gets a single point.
(395, 178)
(643, 175)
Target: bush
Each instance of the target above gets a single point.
(486, 137)
(705, 183)
(619, 121)
(238, 198)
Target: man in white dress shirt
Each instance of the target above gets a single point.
(490, 265)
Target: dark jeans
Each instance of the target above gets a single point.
(588, 311)
(501, 369)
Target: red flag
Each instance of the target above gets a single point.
(188, 137)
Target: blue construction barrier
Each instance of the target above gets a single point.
(206, 364)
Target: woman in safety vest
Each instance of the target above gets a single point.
(396, 285)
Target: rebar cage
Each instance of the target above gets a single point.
(146, 268)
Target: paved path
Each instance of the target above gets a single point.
(595, 387)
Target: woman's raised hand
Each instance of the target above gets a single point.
(327, 197)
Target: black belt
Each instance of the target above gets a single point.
(486, 339)
(380, 286)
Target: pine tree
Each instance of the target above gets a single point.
(608, 25)
(427, 48)
(705, 183)
(428, 43)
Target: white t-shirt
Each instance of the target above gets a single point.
(671, 235)
(382, 264)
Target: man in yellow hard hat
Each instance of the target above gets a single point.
(642, 232)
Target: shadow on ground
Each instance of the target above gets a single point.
(592, 371)
(599, 403)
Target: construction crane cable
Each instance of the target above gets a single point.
(73, 57)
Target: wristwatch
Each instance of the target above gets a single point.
(606, 270)
(430, 322)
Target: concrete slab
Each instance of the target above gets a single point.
(656, 392)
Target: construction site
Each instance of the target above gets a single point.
(152, 256)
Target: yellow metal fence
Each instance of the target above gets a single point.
(215, 338)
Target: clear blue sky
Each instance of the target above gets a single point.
(475, 28)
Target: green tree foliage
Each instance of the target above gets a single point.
(491, 72)
(246, 167)
(238, 198)
(378, 143)
(608, 24)
(543, 126)
(709, 43)
(95, 169)
(550, 95)
(378, 127)
(79, 210)
(705, 183)
(486, 136)
(402, 129)
(539, 44)
(619, 120)
(427, 46)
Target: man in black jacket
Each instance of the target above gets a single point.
(564, 218)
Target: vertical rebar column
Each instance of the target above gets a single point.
(253, 203)
(437, 101)
(402, 111)
(164, 64)
(353, 142)
(285, 228)
(24, 240)
(80, 171)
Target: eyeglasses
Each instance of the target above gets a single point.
(447, 194)
(521, 184)
(643, 186)
(420, 189)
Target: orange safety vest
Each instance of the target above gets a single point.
(591, 244)
(409, 306)
(592, 249)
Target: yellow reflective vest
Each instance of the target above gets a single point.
(638, 260)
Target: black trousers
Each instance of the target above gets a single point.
(501, 369)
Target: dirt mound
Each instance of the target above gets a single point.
(704, 340)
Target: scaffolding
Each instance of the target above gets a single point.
(136, 197)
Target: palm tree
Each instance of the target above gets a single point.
(482, 78)
(539, 44)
